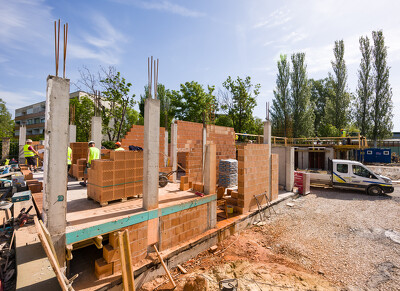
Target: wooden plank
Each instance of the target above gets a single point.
(49, 241)
(53, 261)
(126, 261)
(165, 267)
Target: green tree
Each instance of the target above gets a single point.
(84, 110)
(321, 90)
(302, 108)
(116, 94)
(239, 100)
(6, 122)
(192, 101)
(337, 106)
(365, 88)
(281, 105)
(167, 112)
(224, 120)
(382, 105)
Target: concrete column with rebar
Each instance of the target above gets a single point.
(96, 134)
(72, 133)
(267, 140)
(174, 149)
(21, 142)
(151, 153)
(5, 148)
(55, 162)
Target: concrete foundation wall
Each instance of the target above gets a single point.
(286, 166)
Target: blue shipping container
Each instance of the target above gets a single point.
(374, 155)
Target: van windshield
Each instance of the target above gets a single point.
(363, 172)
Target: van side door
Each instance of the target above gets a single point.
(362, 177)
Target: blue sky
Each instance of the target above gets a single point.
(205, 41)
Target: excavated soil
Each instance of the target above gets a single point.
(328, 240)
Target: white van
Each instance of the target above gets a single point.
(347, 174)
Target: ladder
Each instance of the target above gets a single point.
(269, 206)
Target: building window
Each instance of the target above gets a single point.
(29, 121)
(42, 120)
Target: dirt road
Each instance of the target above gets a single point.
(328, 240)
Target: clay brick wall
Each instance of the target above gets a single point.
(111, 255)
(116, 179)
(224, 139)
(182, 226)
(135, 137)
(79, 151)
(274, 176)
(190, 137)
(253, 177)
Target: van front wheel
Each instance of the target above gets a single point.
(374, 190)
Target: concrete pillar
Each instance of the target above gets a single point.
(174, 149)
(72, 133)
(289, 168)
(204, 142)
(267, 140)
(210, 169)
(151, 153)
(166, 149)
(96, 134)
(22, 142)
(212, 214)
(5, 148)
(55, 163)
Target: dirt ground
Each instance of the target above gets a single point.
(327, 240)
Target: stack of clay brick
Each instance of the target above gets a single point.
(110, 263)
(27, 173)
(185, 185)
(36, 189)
(79, 151)
(135, 137)
(182, 226)
(119, 178)
(79, 168)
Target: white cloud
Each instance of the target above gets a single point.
(164, 5)
(16, 100)
(102, 44)
(25, 24)
(276, 18)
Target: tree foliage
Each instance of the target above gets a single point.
(321, 90)
(365, 88)
(281, 104)
(6, 122)
(84, 110)
(238, 101)
(302, 108)
(382, 106)
(192, 102)
(337, 106)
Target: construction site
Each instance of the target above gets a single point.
(195, 206)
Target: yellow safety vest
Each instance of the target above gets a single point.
(120, 149)
(94, 154)
(27, 152)
(7, 162)
(69, 156)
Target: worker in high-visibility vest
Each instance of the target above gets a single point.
(69, 158)
(29, 154)
(93, 154)
(118, 146)
(7, 162)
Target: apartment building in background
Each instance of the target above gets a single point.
(33, 116)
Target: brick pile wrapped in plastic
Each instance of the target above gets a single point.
(228, 173)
